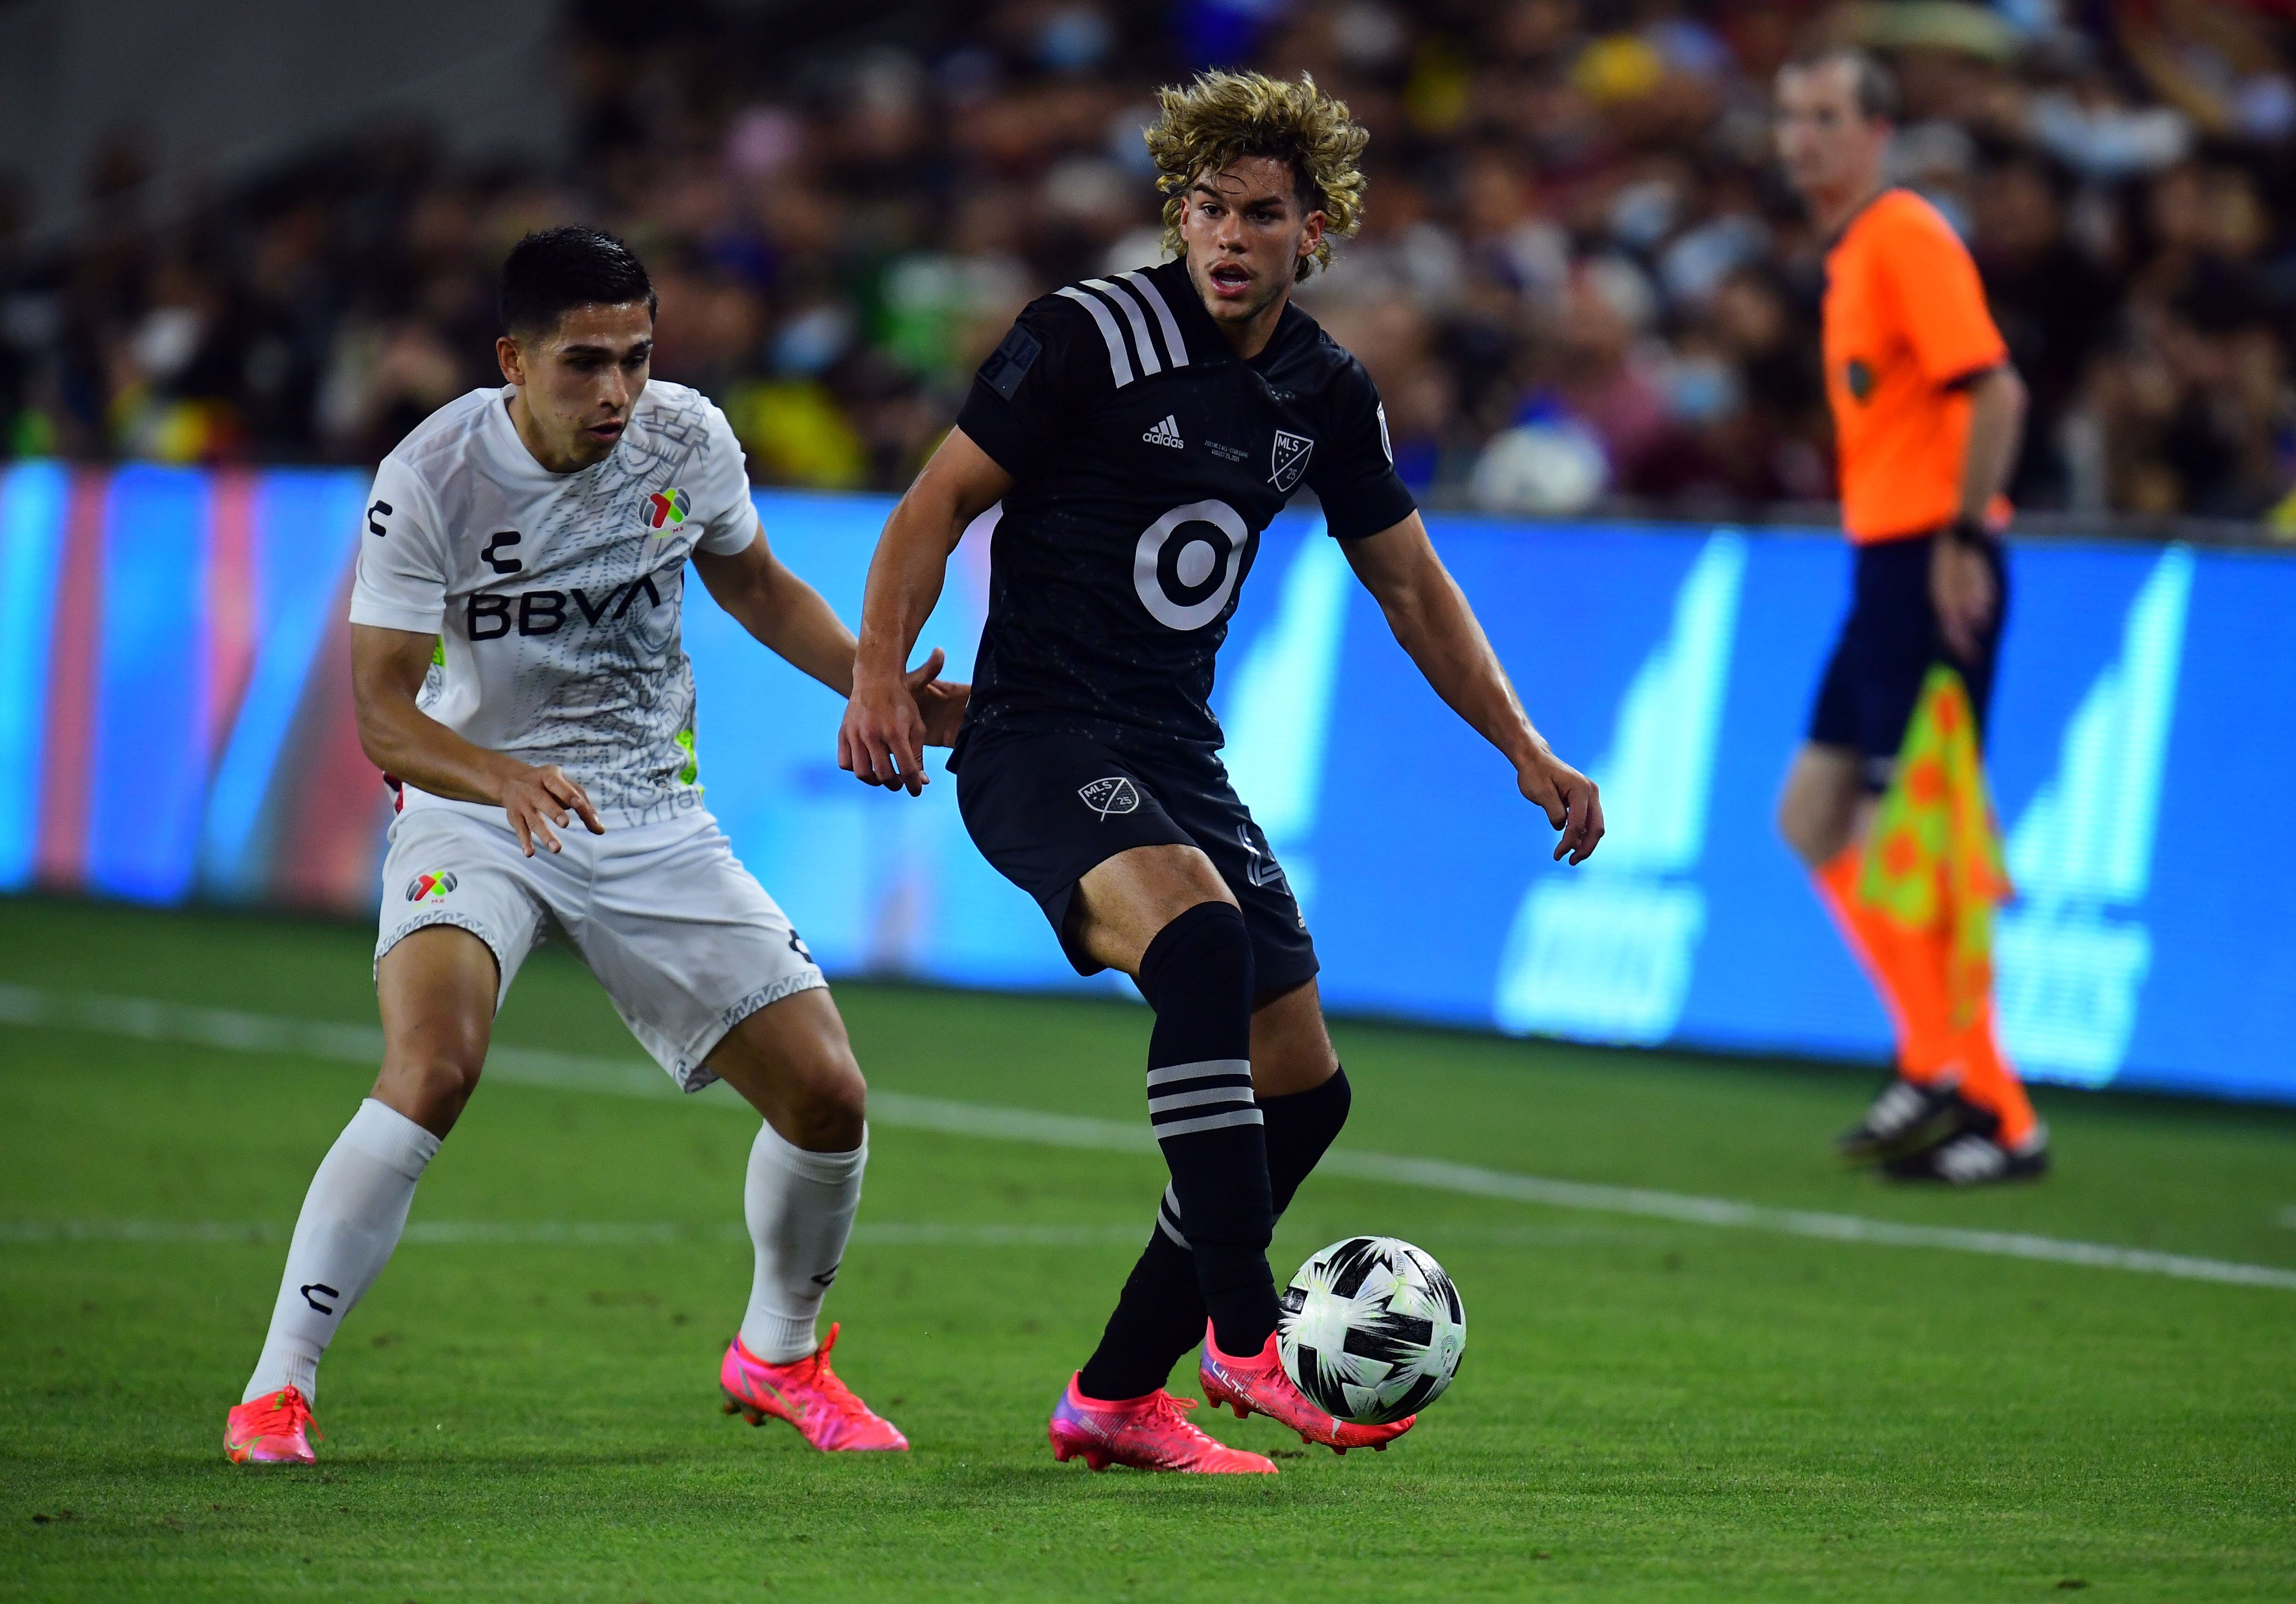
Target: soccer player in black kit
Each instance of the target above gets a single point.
(1142, 430)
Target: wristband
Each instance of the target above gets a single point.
(1970, 532)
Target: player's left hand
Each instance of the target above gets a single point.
(1573, 804)
(940, 702)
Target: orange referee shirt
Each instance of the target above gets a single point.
(1906, 326)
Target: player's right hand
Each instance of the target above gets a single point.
(882, 739)
(1573, 804)
(536, 799)
(1962, 593)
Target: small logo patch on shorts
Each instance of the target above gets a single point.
(431, 886)
(1114, 795)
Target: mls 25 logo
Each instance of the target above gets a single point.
(1114, 795)
(1289, 460)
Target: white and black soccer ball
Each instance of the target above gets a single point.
(1371, 1330)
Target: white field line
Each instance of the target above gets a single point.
(572, 1234)
(151, 1020)
(610, 1233)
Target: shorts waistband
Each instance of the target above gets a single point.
(684, 802)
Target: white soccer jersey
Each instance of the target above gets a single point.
(556, 595)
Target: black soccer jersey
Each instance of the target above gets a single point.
(1147, 459)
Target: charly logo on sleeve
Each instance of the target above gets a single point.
(667, 509)
(1290, 459)
(432, 885)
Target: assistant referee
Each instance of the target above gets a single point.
(1927, 413)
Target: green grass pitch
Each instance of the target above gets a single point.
(1647, 1410)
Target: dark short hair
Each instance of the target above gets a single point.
(1871, 79)
(549, 274)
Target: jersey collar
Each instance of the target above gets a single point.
(1207, 346)
(1849, 222)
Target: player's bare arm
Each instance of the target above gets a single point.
(388, 668)
(886, 726)
(1434, 623)
(789, 618)
(1961, 583)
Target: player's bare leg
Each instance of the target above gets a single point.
(1124, 903)
(1824, 806)
(792, 1062)
(437, 988)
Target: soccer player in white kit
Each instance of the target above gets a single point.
(517, 667)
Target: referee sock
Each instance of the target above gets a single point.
(352, 1218)
(800, 1207)
(1907, 969)
(1990, 1081)
(1160, 1314)
(1196, 974)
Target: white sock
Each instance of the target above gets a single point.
(800, 1207)
(350, 1221)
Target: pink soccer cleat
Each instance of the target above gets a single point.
(273, 1430)
(1148, 1434)
(1260, 1385)
(808, 1395)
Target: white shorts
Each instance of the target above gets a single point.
(683, 940)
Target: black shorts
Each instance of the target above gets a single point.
(1887, 645)
(1046, 807)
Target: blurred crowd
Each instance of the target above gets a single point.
(1580, 280)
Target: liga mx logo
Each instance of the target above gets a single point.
(667, 509)
(431, 885)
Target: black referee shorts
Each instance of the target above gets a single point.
(1044, 808)
(1887, 646)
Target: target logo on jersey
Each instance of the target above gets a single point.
(431, 886)
(667, 509)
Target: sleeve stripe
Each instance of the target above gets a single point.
(1175, 347)
(1116, 365)
(1140, 340)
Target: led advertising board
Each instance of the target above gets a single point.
(174, 725)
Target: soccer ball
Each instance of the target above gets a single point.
(1371, 1330)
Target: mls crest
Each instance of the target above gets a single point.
(1290, 459)
(1113, 794)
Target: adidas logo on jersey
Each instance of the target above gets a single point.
(1167, 433)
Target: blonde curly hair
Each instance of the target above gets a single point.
(1224, 118)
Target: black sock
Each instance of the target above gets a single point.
(1196, 974)
(1161, 1314)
